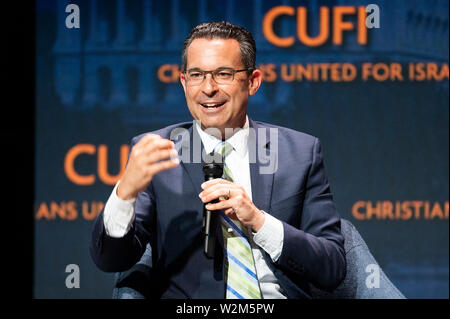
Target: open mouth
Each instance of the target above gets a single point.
(212, 105)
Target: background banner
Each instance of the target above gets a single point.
(369, 78)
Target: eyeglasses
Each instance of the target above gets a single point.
(220, 76)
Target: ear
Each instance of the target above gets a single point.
(183, 81)
(255, 80)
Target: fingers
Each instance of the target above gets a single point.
(160, 154)
(219, 189)
(152, 142)
(214, 182)
(225, 189)
(153, 148)
(231, 213)
(224, 205)
(148, 138)
(158, 149)
(151, 155)
(208, 196)
(163, 165)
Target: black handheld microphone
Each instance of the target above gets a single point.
(211, 171)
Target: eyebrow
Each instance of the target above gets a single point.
(219, 68)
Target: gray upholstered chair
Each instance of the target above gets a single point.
(133, 284)
(354, 285)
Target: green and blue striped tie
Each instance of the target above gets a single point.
(241, 279)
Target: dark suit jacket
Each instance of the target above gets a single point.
(169, 216)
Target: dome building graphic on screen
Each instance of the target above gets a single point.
(114, 59)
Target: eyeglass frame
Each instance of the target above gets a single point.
(233, 71)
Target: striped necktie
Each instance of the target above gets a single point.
(241, 279)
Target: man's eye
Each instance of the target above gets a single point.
(224, 74)
(195, 75)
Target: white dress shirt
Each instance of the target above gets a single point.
(119, 214)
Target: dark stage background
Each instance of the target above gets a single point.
(381, 114)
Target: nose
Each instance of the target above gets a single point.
(209, 86)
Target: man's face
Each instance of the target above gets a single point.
(229, 100)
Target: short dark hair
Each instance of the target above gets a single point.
(223, 30)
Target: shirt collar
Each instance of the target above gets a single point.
(238, 140)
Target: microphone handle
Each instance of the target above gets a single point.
(209, 227)
(209, 234)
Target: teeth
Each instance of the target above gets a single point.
(212, 105)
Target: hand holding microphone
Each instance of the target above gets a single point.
(234, 202)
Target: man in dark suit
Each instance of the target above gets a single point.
(278, 230)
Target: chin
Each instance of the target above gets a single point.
(212, 122)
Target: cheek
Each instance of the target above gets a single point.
(240, 98)
(192, 106)
(190, 97)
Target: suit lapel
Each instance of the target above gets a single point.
(190, 149)
(261, 182)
